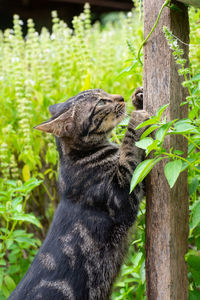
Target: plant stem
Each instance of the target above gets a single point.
(49, 194)
(191, 141)
(154, 26)
(25, 200)
(12, 228)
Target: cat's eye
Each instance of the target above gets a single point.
(102, 102)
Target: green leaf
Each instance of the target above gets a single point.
(178, 152)
(32, 182)
(18, 208)
(142, 272)
(195, 78)
(172, 171)
(161, 110)
(150, 121)
(1, 278)
(2, 262)
(126, 71)
(137, 175)
(13, 269)
(28, 186)
(136, 241)
(193, 185)
(2, 209)
(12, 183)
(162, 131)
(194, 267)
(21, 232)
(136, 258)
(9, 243)
(27, 218)
(153, 146)
(23, 239)
(17, 201)
(142, 170)
(194, 295)
(9, 283)
(144, 143)
(5, 291)
(149, 130)
(13, 258)
(195, 215)
(184, 126)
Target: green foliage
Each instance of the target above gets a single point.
(131, 280)
(188, 128)
(17, 246)
(46, 68)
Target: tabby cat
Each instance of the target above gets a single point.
(86, 242)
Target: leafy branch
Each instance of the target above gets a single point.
(188, 128)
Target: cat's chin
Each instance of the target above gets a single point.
(120, 117)
(115, 123)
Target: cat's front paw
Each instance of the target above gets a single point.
(137, 98)
(140, 116)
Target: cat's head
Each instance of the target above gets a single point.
(87, 117)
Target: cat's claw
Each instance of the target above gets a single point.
(137, 98)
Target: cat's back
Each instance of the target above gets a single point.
(86, 176)
(78, 259)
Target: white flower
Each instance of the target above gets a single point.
(15, 59)
(53, 36)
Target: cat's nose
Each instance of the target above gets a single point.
(118, 98)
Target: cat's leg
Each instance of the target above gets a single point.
(130, 154)
(123, 206)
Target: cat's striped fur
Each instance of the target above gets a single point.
(86, 242)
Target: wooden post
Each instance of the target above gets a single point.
(195, 3)
(167, 209)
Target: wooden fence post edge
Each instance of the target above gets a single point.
(167, 209)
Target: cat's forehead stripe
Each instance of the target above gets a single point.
(83, 96)
(92, 94)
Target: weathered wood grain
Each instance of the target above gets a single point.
(195, 3)
(167, 209)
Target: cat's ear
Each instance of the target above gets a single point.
(55, 108)
(59, 126)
